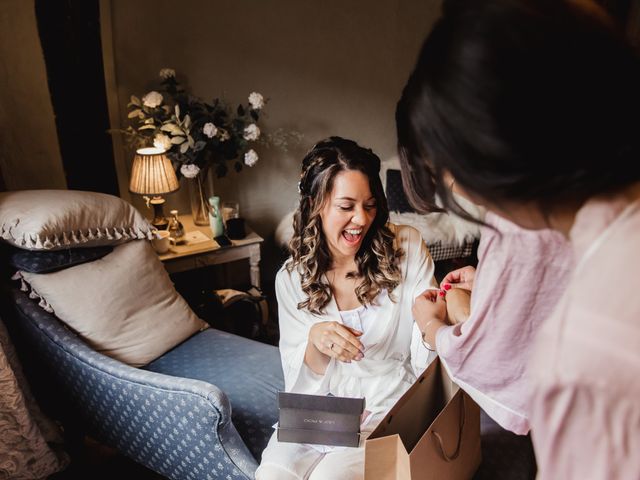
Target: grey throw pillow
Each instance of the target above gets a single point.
(59, 219)
(123, 305)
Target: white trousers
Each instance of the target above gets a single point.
(295, 461)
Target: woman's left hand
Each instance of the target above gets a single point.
(430, 313)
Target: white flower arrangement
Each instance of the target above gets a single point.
(251, 133)
(162, 141)
(152, 99)
(189, 170)
(223, 134)
(166, 73)
(209, 130)
(250, 158)
(256, 100)
(195, 134)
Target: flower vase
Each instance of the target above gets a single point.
(215, 217)
(198, 199)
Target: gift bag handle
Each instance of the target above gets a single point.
(437, 439)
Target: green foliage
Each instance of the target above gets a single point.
(191, 130)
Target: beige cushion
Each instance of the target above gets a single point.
(57, 219)
(123, 305)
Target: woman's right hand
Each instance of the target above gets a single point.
(337, 341)
(460, 278)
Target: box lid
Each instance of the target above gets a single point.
(323, 403)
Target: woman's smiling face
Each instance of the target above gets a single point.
(348, 213)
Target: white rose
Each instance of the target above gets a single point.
(256, 100)
(162, 141)
(209, 130)
(252, 132)
(189, 170)
(152, 99)
(250, 158)
(167, 73)
(224, 135)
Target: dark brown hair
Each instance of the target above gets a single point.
(376, 259)
(523, 101)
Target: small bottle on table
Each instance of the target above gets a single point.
(176, 229)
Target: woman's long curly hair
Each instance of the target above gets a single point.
(376, 260)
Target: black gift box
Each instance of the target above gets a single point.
(320, 420)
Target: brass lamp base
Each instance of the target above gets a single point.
(159, 220)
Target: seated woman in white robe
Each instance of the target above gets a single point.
(344, 300)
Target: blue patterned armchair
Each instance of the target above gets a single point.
(203, 410)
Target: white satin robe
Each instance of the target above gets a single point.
(393, 352)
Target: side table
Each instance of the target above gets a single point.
(187, 256)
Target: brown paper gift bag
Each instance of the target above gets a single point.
(432, 432)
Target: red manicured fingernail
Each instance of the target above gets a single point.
(441, 293)
(447, 286)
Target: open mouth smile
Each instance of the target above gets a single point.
(352, 235)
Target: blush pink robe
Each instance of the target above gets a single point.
(585, 412)
(520, 277)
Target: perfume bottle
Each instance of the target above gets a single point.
(176, 229)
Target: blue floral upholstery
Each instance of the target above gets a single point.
(179, 427)
(251, 384)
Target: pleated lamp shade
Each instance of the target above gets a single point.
(152, 173)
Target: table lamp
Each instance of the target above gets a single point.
(152, 174)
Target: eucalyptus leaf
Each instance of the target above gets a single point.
(135, 100)
(199, 146)
(147, 127)
(190, 141)
(172, 128)
(134, 113)
(177, 140)
(177, 111)
(184, 147)
(187, 121)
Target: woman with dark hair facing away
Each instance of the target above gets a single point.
(344, 303)
(532, 108)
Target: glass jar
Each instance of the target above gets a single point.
(230, 210)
